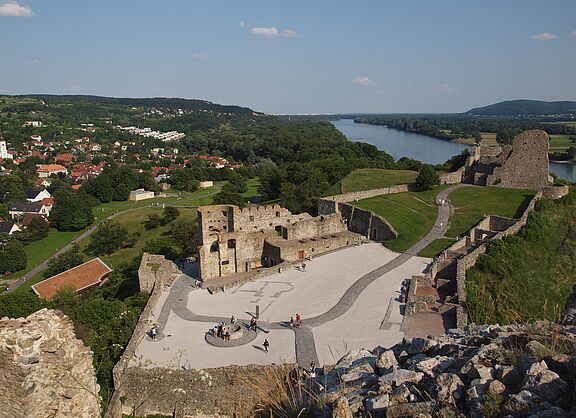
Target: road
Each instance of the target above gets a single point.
(20, 281)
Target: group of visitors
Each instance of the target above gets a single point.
(404, 291)
(154, 333)
(221, 332)
(295, 323)
(442, 202)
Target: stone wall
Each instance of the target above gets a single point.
(366, 223)
(189, 392)
(45, 371)
(155, 269)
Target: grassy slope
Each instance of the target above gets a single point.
(473, 203)
(412, 214)
(527, 276)
(376, 178)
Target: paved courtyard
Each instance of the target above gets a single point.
(347, 299)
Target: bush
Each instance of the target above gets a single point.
(107, 239)
(427, 179)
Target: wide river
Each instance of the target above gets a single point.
(419, 147)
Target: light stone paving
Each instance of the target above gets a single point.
(309, 293)
(344, 298)
(184, 346)
(360, 326)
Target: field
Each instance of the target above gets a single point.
(375, 178)
(412, 214)
(436, 247)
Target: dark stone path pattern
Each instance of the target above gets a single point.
(304, 336)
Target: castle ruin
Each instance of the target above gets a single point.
(520, 165)
(234, 240)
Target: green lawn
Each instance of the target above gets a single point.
(436, 247)
(473, 203)
(253, 185)
(39, 251)
(412, 214)
(376, 178)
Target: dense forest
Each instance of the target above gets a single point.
(526, 108)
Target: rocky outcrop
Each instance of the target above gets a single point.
(489, 370)
(45, 371)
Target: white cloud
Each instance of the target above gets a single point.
(364, 81)
(290, 33)
(198, 56)
(242, 24)
(270, 32)
(443, 88)
(73, 88)
(546, 36)
(13, 8)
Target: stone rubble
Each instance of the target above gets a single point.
(488, 370)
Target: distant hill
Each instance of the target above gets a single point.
(156, 102)
(525, 107)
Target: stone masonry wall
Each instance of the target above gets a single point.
(155, 269)
(45, 371)
(366, 223)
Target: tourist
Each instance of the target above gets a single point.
(312, 368)
(291, 322)
(304, 267)
(266, 345)
(298, 321)
(232, 320)
(154, 333)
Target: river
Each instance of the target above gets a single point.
(419, 147)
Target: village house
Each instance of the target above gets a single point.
(8, 228)
(21, 209)
(48, 169)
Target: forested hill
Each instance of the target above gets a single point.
(524, 108)
(153, 102)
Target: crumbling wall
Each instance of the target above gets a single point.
(155, 269)
(45, 371)
(366, 223)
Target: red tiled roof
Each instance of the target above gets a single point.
(29, 216)
(76, 186)
(51, 167)
(80, 277)
(47, 201)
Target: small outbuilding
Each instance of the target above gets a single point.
(140, 194)
(89, 274)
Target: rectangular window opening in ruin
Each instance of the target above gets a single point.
(251, 218)
(225, 262)
(278, 214)
(224, 213)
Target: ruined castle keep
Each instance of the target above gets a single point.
(521, 165)
(234, 240)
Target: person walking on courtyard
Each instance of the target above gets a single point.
(304, 267)
(154, 332)
(298, 321)
(291, 322)
(266, 345)
(232, 320)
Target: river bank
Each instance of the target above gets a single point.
(424, 148)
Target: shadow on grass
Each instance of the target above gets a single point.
(523, 206)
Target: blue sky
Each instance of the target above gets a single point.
(308, 56)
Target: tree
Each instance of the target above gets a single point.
(18, 305)
(107, 239)
(477, 137)
(63, 262)
(71, 212)
(38, 228)
(170, 213)
(13, 257)
(237, 183)
(571, 153)
(427, 178)
(153, 222)
(229, 197)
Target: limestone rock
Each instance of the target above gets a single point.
(378, 403)
(340, 408)
(44, 369)
(401, 376)
(547, 384)
(539, 350)
(415, 409)
(386, 362)
(496, 386)
(448, 388)
(362, 371)
(434, 365)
